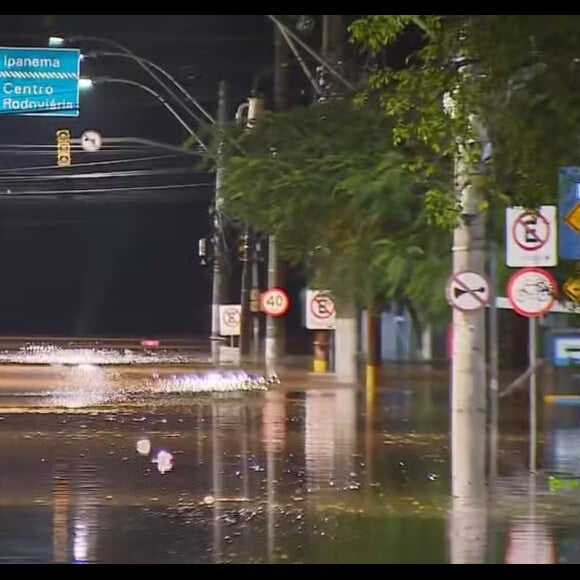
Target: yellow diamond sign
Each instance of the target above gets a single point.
(572, 218)
(572, 288)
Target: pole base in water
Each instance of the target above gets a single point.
(372, 376)
(320, 366)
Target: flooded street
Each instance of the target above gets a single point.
(291, 474)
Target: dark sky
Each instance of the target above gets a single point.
(122, 261)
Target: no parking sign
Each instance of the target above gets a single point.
(320, 310)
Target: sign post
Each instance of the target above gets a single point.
(532, 293)
(40, 81)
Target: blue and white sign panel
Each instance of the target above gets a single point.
(563, 347)
(39, 81)
(569, 194)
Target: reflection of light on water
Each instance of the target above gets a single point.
(331, 438)
(86, 385)
(216, 382)
(530, 542)
(274, 421)
(565, 446)
(164, 461)
(467, 531)
(50, 354)
(81, 542)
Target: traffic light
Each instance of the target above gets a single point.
(63, 148)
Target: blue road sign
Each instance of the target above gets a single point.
(569, 197)
(562, 347)
(39, 81)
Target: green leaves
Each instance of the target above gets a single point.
(520, 76)
(329, 182)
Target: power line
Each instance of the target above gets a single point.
(92, 163)
(46, 193)
(100, 175)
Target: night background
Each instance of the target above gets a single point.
(122, 261)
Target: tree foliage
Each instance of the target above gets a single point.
(517, 76)
(330, 184)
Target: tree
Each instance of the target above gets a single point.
(329, 183)
(518, 74)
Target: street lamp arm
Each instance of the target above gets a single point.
(146, 65)
(161, 70)
(160, 98)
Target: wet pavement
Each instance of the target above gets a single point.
(299, 473)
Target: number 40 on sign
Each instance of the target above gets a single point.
(274, 302)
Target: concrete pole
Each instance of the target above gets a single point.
(218, 262)
(346, 333)
(468, 373)
(275, 329)
(493, 362)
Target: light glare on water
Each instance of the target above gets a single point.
(270, 476)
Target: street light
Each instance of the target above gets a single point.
(86, 83)
(161, 70)
(148, 66)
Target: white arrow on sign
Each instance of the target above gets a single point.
(91, 141)
(566, 349)
(468, 291)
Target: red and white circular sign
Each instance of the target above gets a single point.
(531, 231)
(532, 291)
(274, 302)
(322, 306)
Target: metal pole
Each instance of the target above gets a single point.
(245, 296)
(217, 283)
(533, 393)
(271, 347)
(274, 328)
(493, 359)
(255, 300)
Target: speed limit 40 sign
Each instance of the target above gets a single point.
(274, 302)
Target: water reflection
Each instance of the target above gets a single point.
(530, 542)
(330, 438)
(309, 476)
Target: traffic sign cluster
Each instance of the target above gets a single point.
(531, 246)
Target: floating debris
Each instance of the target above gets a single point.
(144, 447)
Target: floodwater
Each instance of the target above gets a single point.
(305, 475)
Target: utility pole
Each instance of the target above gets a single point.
(245, 253)
(218, 289)
(275, 330)
(255, 108)
(468, 372)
